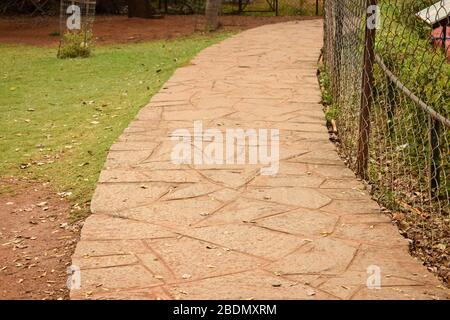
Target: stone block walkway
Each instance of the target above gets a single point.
(167, 231)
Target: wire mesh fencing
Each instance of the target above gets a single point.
(243, 7)
(388, 63)
(76, 23)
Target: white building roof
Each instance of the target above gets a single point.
(436, 12)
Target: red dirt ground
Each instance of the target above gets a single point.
(36, 241)
(118, 29)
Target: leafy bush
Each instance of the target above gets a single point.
(75, 45)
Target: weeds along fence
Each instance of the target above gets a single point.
(387, 64)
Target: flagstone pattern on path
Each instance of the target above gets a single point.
(165, 231)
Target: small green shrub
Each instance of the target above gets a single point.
(324, 81)
(331, 110)
(75, 45)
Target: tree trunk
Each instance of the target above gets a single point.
(212, 14)
(140, 9)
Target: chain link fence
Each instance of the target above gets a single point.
(387, 65)
(179, 7)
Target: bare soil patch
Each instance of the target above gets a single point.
(42, 31)
(36, 241)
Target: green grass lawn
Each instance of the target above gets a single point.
(59, 117)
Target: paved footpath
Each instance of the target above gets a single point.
(165, 231)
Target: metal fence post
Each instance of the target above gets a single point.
(325, 37)
(337, 50)
(391, 102)
(366, 96)
(435, 158)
